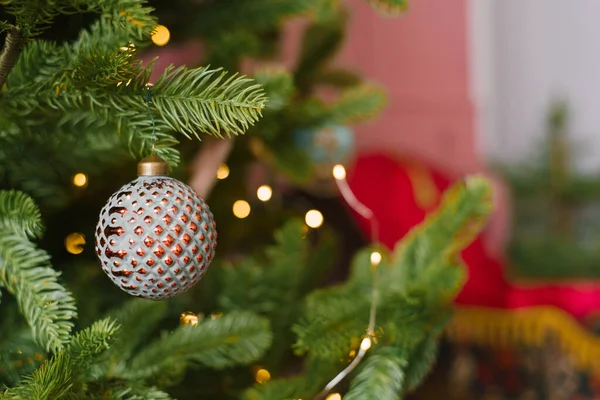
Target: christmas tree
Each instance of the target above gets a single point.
(556, 233)
(81, 106)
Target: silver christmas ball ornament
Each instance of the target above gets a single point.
(155, 236)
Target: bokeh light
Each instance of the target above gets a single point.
(339, 172)
(262, 376)
(188, 318)
(74, 243)
(222, 171)
(314, 218)
(375, 258)
(241, 209)
(264, 193)
(161, 35)
(80, 179)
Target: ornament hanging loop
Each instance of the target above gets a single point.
(148, 101)
(152, 165)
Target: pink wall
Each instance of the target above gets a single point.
(421, 59)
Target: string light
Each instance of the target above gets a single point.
(339, 172)
(314, 218)
(241, 209)
(129, 48)
(80, 179)
(222, 171)
(74, 243)
(161, 35)
(188, 318)
(214, 316)
(262, 376)
(365, 344)
(264, 193)
(375, 258)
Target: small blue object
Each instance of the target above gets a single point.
(331, 144)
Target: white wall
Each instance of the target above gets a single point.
(524, 54)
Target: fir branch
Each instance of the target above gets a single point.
(19, 214)
(34, 159)
(358, 104)
(48, 307)
(214, 103)
(124, 390)
(52, 380)
(92, 341)
(10, 53)
(278, 85)
(235, 338)
(389, 7)
(424, 355)
(4, 26)
(317, 371)
(35, 16)
(287, 157)
(435, 244)
(227, 49)
(137, 318)
(19, 354)
(279, 389)
(380, 378)
(183, 100)
(331, 332)
(212, 18)
(337, 77)
(39, 68)
(320, 43)
(267, 286)
(61, 375)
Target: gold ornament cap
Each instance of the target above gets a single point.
(153, 166)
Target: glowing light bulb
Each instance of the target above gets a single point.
(314, 218)
(129, 48)
(375, 258)
(264, 193)
(334, 396)
(339, 172)
(241, 209)
(161, 35)
(222, 171)
(262, 376)
(74, 243)
(188, 318)
(80, 179)
(365, 344)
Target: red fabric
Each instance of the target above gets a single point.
(384, 185)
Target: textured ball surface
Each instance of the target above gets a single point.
(155, 237)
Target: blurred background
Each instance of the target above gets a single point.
(503, 88)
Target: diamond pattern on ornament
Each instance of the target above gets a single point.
(155, 237)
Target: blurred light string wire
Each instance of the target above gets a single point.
(339, 173)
